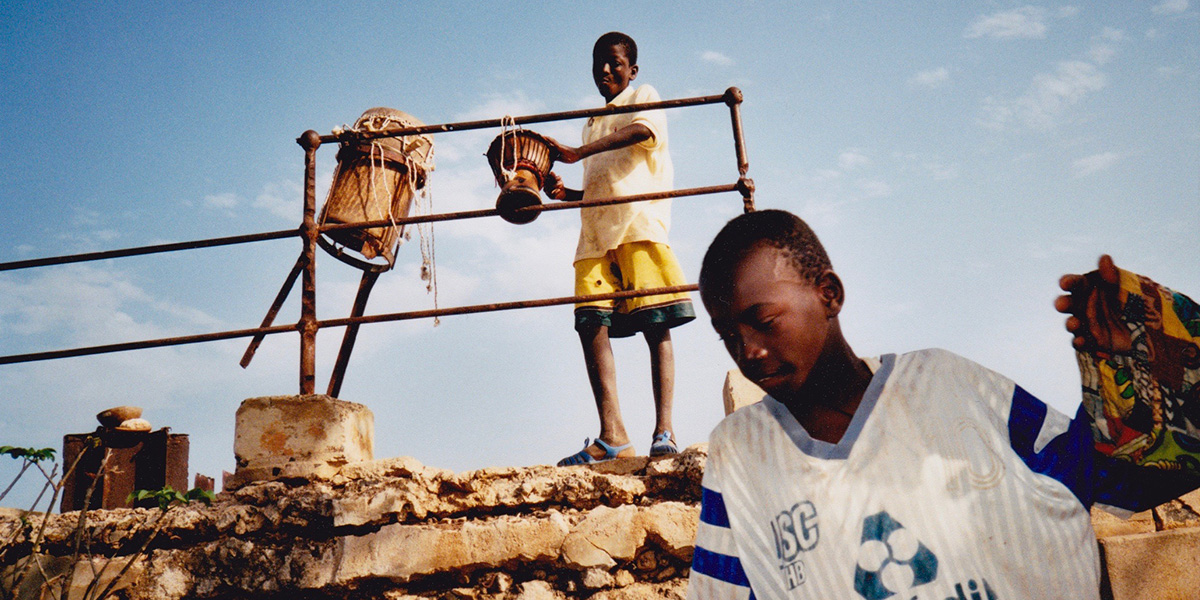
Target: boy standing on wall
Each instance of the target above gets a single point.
(624, 247)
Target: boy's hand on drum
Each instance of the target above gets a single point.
(1093, 301)
(553, 186)
(563, 153)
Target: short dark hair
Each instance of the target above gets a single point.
(616, 38)
(764, 228)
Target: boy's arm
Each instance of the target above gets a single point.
(625, 136)
(1138, 349)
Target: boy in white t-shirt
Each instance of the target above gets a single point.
(624, 247)
(921, 475)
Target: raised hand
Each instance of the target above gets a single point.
(1093, 301)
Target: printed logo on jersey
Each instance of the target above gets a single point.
(795, 531)
(891, 560)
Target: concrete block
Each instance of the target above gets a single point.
(1107, 524)
(277, 437)
(1152, 566)
(740, 391)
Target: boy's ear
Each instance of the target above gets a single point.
(633, 69)
(833, 294)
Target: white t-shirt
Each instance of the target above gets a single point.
(642, 168)
(951, 482)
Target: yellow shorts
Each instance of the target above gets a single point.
(631, 266)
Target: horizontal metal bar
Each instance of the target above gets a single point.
(479, 308)
(144, 344)
(491, 212)
(351, 135)
(383, 318)
(286, 233)
(155, 249)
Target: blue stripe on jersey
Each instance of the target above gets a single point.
(1071, 459)
(719, 566)
(712, 508)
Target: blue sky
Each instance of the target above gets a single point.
(955, 157)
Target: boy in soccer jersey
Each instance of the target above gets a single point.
(920, 475)
(624, 247)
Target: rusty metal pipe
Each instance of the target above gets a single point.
(491, 212)
(733, 97)
(145, 344)
(350, 135)
(310, 141)
(351, 334)
(154, 249)
(382, 318)
(280, 298)
(479, 308)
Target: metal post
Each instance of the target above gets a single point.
(310, 140)
(288, 283)
(733, 98)
(351, 334)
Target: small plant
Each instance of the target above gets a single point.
(168, 496)
(30, 457)
(29, 454)
(57, 575)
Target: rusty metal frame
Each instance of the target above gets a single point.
(309, 232)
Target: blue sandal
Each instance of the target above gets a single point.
(663, 445)
(583, 458)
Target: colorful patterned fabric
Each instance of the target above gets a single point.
(1144, 396)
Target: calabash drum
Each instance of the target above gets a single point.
(375, 180)
(520, 160)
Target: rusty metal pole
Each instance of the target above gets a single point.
(733, 98)
(288, 283)
(351, 333)
(310, 141)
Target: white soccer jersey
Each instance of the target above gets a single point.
(951, 483)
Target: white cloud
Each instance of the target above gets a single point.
(226, 201)
(852, 159)
(1048, 97)
(930, 78)
(284, 198)
(874, 189)
(1067, 12)
(1170, 7)
(1104, 45)
(1024, 22)
(941, 172)
(1095, 163)
(1102, 54)
(87, 305)
(716, 58)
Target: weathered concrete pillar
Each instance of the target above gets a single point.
(740, 391)
(281, 437)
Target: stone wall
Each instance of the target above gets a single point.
(397, 529)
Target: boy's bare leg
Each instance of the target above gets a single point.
(602, 373)
(662, 375)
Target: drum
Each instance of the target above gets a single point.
(520, 160)
(374, 180)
